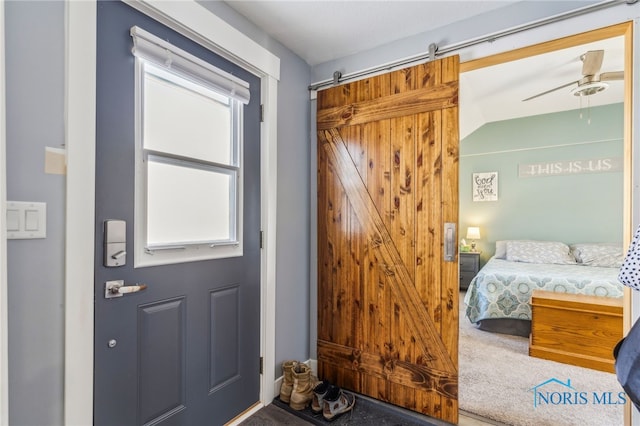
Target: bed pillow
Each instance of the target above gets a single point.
(501, 250)
(608, 255)
(539, 252)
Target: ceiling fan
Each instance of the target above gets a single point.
(591, 82)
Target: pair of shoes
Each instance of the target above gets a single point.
(331, 401)
(297, 385)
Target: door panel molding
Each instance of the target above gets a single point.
(224, 304)
(219, 37)
(162, 366)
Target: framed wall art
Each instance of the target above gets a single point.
(485, 186)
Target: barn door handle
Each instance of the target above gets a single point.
(449, 242)
(117, 288)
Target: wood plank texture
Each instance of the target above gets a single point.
(387, 182)
(391, 369)
(575, 329)
(398, 105)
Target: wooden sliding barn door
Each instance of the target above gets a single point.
(387, 183)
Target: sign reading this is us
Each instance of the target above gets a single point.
(570, 167)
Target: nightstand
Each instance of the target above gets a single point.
(469, 267)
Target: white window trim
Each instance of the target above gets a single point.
(199, 24)
(144, 255)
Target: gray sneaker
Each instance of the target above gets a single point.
(337, 402)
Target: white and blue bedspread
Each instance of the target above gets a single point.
(502, 289)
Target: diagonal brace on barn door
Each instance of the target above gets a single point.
(401, 283)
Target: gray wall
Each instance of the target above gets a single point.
(34, 96)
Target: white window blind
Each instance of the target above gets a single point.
(154, 49)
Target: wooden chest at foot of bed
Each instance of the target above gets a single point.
(575, 329)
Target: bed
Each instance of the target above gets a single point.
(498, 298)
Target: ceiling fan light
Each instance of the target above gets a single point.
(589, 89)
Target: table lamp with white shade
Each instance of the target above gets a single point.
(473, 233)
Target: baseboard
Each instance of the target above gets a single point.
(312, 363)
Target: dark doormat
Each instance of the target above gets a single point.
(367, 411)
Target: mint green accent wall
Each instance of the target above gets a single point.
(570, 208)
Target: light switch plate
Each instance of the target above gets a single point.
(13, 220)
(26, 220)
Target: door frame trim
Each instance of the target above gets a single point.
(202, 26)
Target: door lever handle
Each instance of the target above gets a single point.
(118, 289)
(118, 255)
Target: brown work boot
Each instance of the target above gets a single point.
(302, 387)
(287, 380)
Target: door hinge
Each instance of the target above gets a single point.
(261, 239)
(261, 365)
(262, 113)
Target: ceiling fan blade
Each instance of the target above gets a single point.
(613, 75)
(592, 61)
(549, 91)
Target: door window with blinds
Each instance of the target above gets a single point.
(188, 156)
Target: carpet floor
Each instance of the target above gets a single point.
(497, 378)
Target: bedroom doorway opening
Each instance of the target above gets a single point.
(527, 177)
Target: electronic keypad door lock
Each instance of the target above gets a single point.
(115, 243)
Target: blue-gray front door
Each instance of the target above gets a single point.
(186, 350)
